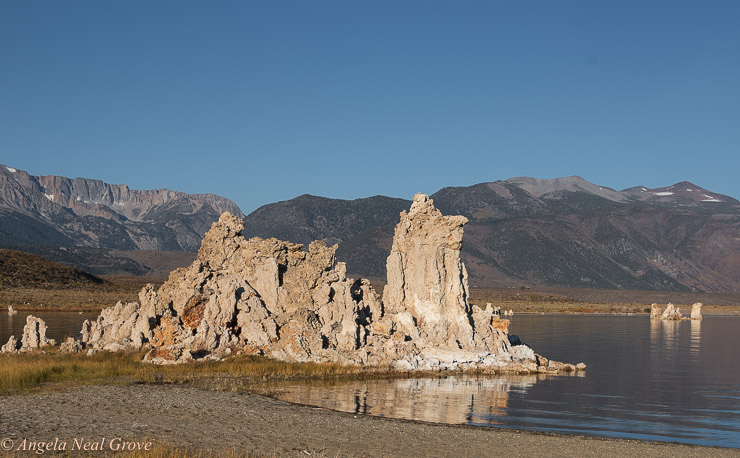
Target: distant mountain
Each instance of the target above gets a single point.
(527, 231)
(307, 218)
(522, 231)
(59, 211)
(680, 194)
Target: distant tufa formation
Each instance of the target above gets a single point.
(269, 297)
(34, 337)
(672, 312)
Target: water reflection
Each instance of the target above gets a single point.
(665, 333)
(649, 380)
(670, 331)
(61, 324)
(695, 345)
(453, 399)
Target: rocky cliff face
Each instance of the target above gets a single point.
(54, 210)
(427, 281)
(270, 297)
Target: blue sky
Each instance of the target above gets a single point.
(264, 101)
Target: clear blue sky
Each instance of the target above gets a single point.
(262, 101)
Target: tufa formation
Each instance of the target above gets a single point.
(273, 298)
(34, 337)
(673, 313)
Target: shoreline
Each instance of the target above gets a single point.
(256, 424)
(528, 313)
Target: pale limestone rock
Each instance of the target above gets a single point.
(696, 311)
(671, 312)
(34, 334)
(11, 310)
(71, 345)
(266, 296)
(13, 345)
(121, 326)
(261, 296)
(655, 311)
(426, 277)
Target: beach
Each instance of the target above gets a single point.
(191, 419)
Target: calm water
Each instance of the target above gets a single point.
(665, 381)
(60, 324)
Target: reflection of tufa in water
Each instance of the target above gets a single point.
(455, 400)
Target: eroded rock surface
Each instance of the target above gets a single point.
(13, 345)
(269, 297)
(34, 337)
(671, 312)
(427, 290)
(696, 311)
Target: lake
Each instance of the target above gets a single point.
(649, 380)
(60, 324)
(662, 381)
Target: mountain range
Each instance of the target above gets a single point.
(58, 211)
(521, 231)
(527, 231)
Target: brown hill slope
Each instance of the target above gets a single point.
(562, 232)
(24, 270)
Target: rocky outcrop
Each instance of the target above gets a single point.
(34, 334)
(71, 345)
(427, 291)
(696, 311)
(671, 312)
(34, 337)
(12, 311)
(12, 346)
(274, 298)
(121, 326)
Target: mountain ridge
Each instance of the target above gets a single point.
(571, 233)
(522, 231)
(92, 213)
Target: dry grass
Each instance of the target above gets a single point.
(27, 371)
(20, 373)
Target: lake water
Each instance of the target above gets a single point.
(663, 381)
(650, 380)
(60, 324)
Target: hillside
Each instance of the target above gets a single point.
(24, 270)
(562, 232)
(523, 231)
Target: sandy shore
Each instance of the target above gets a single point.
(178, 416)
